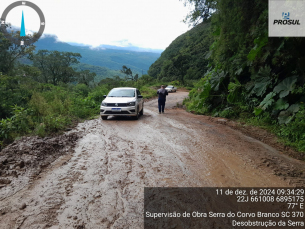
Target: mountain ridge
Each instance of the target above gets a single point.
(104, 57)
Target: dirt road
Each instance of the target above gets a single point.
(100, 183)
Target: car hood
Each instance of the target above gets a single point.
(119, 99)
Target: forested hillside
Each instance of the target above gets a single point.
(101, 72)
(185, 58)
(243, 73)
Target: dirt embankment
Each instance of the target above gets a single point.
(261, 135)
(282, 163)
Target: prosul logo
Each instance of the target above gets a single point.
(286, 20)
(285, 16)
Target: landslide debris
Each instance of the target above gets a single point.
(25, 158)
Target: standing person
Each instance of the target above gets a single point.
(162, 98)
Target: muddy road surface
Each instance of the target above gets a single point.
(99, 182)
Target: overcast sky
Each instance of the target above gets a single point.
(143, 23)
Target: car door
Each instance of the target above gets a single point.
(139, 100)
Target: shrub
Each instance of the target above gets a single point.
(83, 108)
(19, 124)
(54, 124)
(81, 90)
(40, 130)
(295, 130)
(227, 113)
(39, 105)
(98, 93)
(147, 92)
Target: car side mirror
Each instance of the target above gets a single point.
(105, 96)
(140, 96)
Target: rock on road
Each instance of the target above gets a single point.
(100, 184)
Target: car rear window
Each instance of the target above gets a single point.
(122, 93)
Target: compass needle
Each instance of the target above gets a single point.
(22, 31)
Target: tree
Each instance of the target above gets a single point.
(110, 82)
(29, 72)
(168, 70)
(180, 63)
(85, 77)
(10, 52)
(136, 77)
(40, 61)
(203, 9)
(128, 73)
(146, 78)
(56, 66)
(12, 92)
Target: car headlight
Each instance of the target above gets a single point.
(104, 104)
(131, 104)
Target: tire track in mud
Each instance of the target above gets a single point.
(101, 184)
(110, 195)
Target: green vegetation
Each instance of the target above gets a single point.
(185, 58)
(55, 67)
(242, 73)
(9, 53)
(101, 72)
(30, 107)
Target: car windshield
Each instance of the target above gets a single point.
(122, 93)
(169, 87)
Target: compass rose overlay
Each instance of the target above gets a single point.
(22, 32)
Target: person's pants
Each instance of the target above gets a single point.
(161, 104)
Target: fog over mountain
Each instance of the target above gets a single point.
(128, 48)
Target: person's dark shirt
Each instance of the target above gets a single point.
(162, 93)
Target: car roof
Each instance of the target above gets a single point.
(169, 85)
(124, 88)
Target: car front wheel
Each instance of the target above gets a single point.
(104, 117)
(142, 111)
(136, 117)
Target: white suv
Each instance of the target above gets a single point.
(122, 101)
